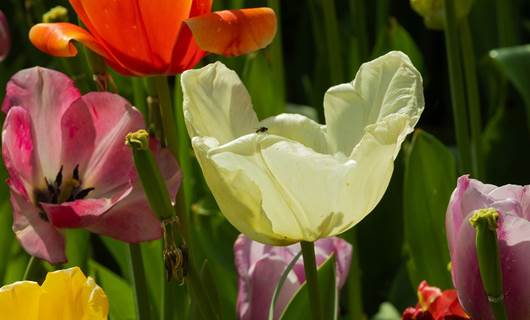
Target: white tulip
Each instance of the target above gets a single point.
(299, 180)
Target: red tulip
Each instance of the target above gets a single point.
(433, 304)
(154, 37)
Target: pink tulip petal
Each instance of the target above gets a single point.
(78, 213)
(466, 274)
(45, 94)
(111, 167)
(19, 153)
(258, 281)
(132, 220)
(260, 266)
(38, 237)
(78, 136)
(514, 246)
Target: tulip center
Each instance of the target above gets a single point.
(62, 190)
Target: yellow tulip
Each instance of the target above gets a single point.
(64, 295)
(287, 178)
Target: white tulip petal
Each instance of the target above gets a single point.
(298, 128)
(217, 104)
(387, 85)
(238, 197)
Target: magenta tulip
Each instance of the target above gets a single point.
(513, 205)
(260, 266)
(69, 167)
(5, 37)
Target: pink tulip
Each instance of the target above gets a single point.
(260, 266)
(513, 205)
(5, 37)
(69, 167)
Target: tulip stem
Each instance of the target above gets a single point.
(473, 100)
(311, 276)
(457, 86)
(169, 125)
(30, 268)
(138, 281)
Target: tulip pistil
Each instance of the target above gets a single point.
(485, 222)
(61, 190)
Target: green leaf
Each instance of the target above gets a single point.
(77, 248)
(514, 63)
(6, 237)
(395, 37)
(280, 283)
(387, 312)
(118, 291)
(429, 180)
(299, 307)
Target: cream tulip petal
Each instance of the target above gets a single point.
(318, 186)
(242, 167)
(217, 104)
(387, 85)
(238, 197)
(298, 128)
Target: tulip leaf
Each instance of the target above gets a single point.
(280, 283)
(299, 306)
(430, 177)
(118, 291)
(514, 62)
(387, 312)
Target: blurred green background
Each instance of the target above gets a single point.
(322, 43)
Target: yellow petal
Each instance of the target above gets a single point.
(68, 294)
(20, 301)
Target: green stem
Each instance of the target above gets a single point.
(485, 223)
(506, 23)
(473, 100)
(139, 282)
(355, 302)
(169, 125)
(275, 49)
(30, 268)
(358, 13)
(311, 277)
(331, 30)
(457, 85)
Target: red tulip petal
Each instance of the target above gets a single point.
(140, 35)
(56, 39)
(234, 32)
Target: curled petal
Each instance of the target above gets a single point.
(234, 32)
(56, 39)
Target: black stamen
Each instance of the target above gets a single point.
(83, 193)
(43, 216)
(76, 172)
(59, 177)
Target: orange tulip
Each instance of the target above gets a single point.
(155, 37)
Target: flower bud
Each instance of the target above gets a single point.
(432, 11)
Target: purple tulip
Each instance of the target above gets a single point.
(260, 266)
(5, 37)
(513, 205)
